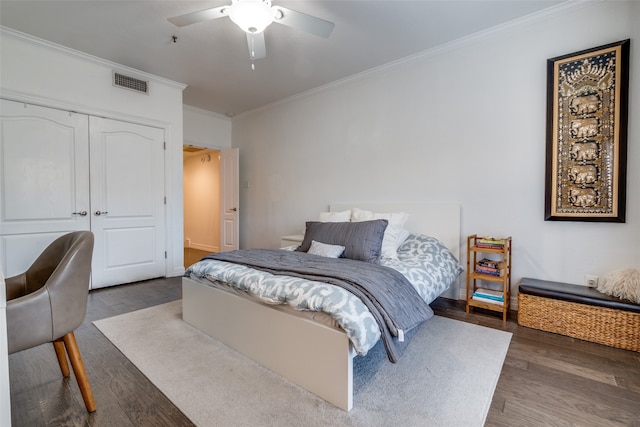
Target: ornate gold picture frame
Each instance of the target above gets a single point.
(586, 156)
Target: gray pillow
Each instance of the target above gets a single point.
(362, 240)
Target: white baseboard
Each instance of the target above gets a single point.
(204, 247)
(177, 272)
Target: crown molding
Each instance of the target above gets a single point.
(568, 6)
(9, 32)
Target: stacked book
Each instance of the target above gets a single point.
(490, 266)
(489, 295)
(490, 243)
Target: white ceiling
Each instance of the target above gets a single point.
(212, 57)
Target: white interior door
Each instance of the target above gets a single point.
(127, 202)
(44, 180)
(229, 206)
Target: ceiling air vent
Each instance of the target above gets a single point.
(130, 83)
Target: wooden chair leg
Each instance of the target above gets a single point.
(78, 369)
(62, 357)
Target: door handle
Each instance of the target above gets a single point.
(81, 213)
(234, 209)
(98, 213)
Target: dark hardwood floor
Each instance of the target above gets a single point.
(193, 255)
(553, 380)
(547, 379)
(124, 397)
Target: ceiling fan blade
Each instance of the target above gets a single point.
(302, 21)
(257, 47)
(199, 16)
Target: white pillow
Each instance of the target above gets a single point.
(391, 240)
(325, 250)
(344, 216)
(402, 237)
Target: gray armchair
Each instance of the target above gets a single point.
(49, 301)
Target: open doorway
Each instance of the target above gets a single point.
(201, 181)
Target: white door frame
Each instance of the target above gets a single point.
(228, 182)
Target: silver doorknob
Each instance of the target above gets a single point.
(98, 213)
(81, 213)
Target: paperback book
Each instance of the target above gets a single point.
(490, 263)
(487, 300)
(489, 296)
(489, 293)
(490, 266)
(490, 243)
(487, 270)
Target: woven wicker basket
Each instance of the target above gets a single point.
(616, 328)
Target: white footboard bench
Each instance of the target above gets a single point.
(314, 356)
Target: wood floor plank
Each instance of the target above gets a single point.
(192, 255)
(547, 379)
(551, 357)
(550, 397)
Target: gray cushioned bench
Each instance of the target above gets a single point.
(579, 312)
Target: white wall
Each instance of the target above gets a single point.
(463, 123)
(202, 200)
(39, 72)
(203, 128)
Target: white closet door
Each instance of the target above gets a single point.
(127, 202)
(44, 180)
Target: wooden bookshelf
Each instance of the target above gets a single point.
(492, 256)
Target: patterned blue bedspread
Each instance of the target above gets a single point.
(423, 260)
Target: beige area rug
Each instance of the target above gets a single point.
(446, 377)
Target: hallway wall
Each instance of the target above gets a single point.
(202, 200)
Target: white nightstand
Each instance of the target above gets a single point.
(292, 240)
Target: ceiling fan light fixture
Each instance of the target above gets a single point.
(253, 16)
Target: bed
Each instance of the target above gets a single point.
(308, 348)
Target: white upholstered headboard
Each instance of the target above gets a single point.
(439, 220)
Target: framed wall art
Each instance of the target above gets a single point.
(587, 113)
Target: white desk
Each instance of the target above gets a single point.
(5, 401)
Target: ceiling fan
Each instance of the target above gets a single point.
(253, 17)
